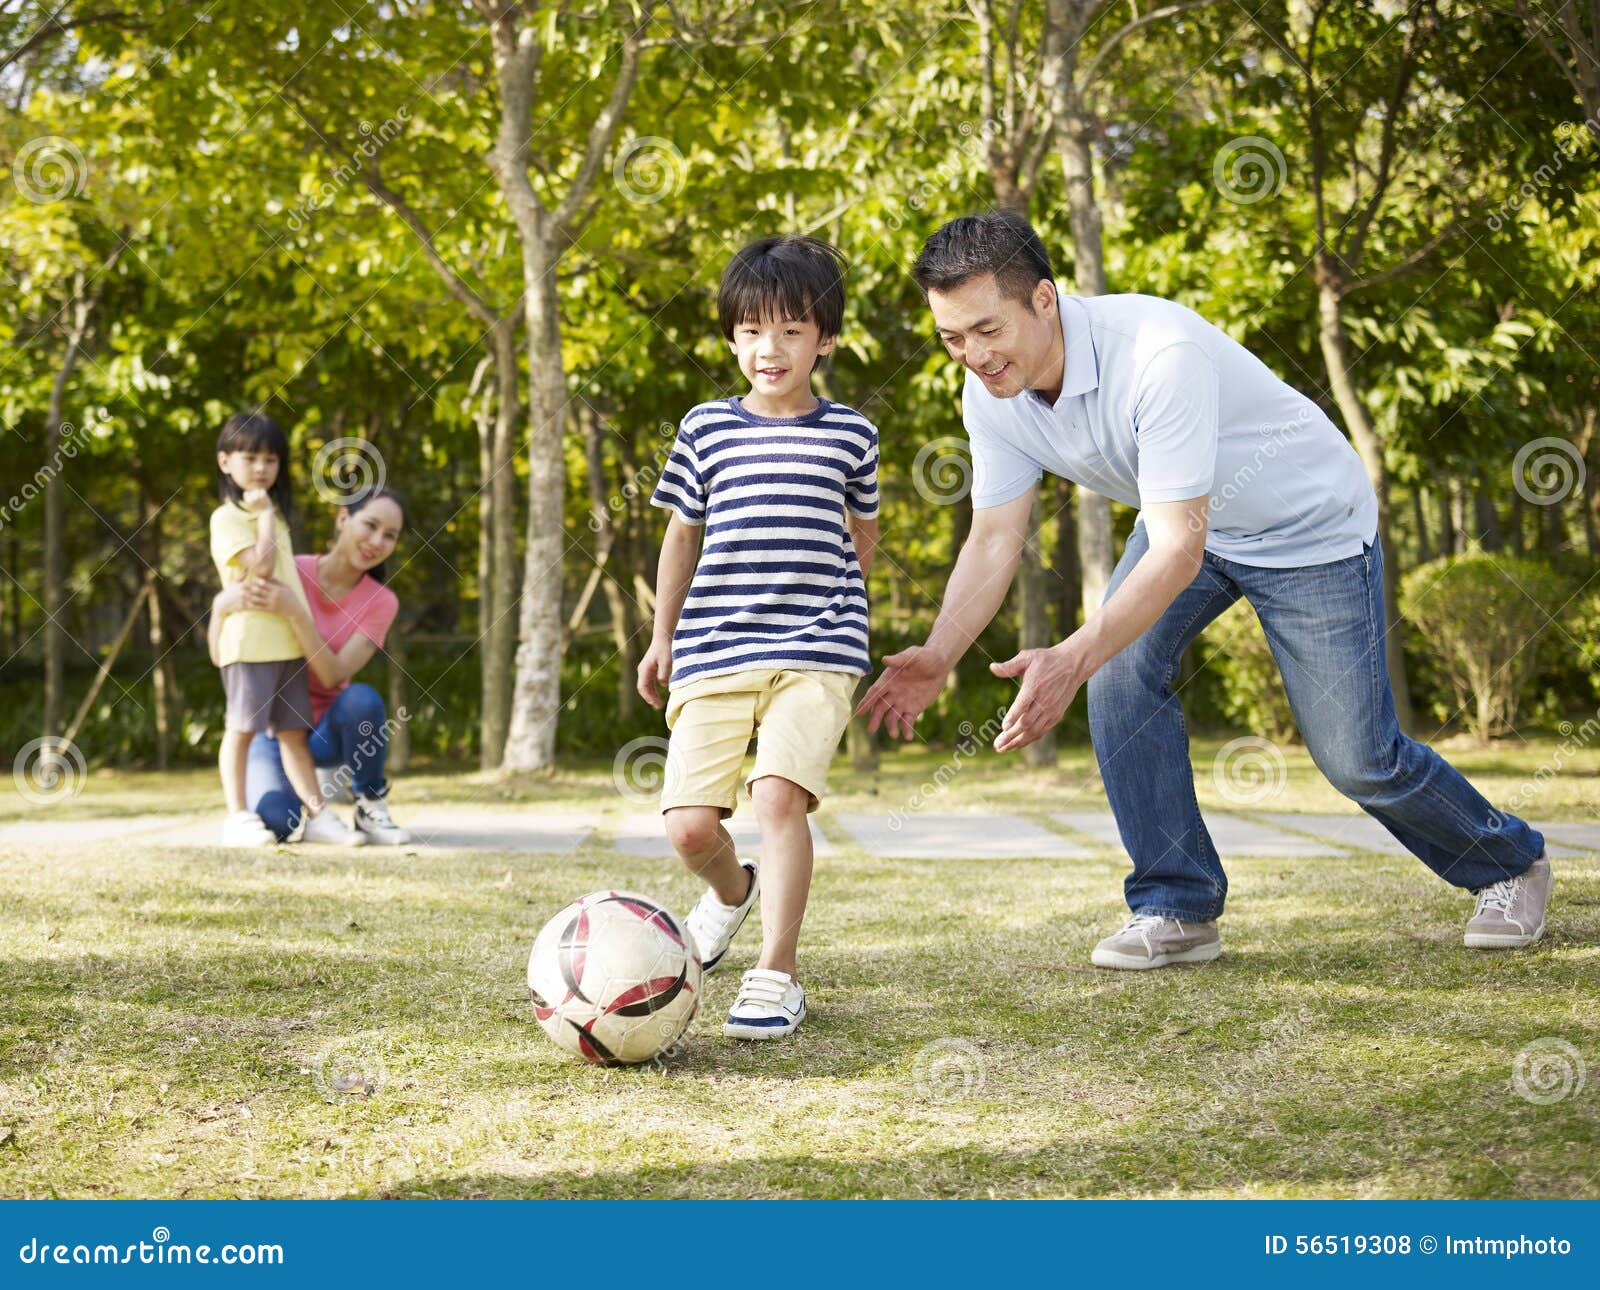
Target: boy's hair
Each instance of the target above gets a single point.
(783, 278)
(358, 503)
(256, 432)
(997, 242)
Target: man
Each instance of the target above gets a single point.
(1245, 489)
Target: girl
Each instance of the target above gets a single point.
(263, 664)
(340, 618)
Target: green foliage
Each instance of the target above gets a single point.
(1252, 693)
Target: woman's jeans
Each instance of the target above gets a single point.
(1325, 626)
(352, 734)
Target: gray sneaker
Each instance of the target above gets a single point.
(1150, 941)
(1510, 913)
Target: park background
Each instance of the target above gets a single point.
(473, 248)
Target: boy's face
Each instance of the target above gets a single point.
(776, 356)
(994, 335)
(249, 468)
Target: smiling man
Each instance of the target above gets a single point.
(1244, 489)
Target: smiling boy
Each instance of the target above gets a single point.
(764, 631)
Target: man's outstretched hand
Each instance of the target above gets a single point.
(911, 680)
(1050, 682)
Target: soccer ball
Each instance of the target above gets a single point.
(614, 978)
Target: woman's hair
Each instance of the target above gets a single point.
(997, 242)
(358, 503)
(256, 432)
(783, 277)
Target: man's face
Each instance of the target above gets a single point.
(995, 336)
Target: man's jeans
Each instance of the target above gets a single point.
(1325, 625)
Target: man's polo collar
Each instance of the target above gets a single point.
(1082, 372)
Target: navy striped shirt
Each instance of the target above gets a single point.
(778, 584)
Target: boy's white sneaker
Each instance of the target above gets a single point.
(245, 829)
(325, 826)
(713, 924)
(770, 1005)
(374, 820)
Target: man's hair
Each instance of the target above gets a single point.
(780, 278)
(997, 242)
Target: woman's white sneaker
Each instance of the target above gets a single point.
(325, 826)
(713, 924)
(770, 1005)
(245, 829)
(374, 820)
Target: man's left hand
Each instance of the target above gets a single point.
(1050, 682)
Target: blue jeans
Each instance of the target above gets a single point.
(1325, 626)
(352, 733)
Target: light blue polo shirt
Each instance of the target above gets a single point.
(1158, 405)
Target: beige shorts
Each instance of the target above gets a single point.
(799, 717)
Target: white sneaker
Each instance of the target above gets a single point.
(770, 1005)
(374, 820)
(325, 826)
(245, 829)
(713, 924)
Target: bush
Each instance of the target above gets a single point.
(1252, 687)
(1485, 619)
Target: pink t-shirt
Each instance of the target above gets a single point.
(369, 607)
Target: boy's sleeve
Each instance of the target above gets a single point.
(681, 487)
(232, 531)
(861, 490)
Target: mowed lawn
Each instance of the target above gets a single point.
(169, 1019)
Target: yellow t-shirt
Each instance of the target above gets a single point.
(253, 635)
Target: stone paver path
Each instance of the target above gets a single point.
(895, 835)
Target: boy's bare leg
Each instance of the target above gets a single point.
(298, 766)
(786, 860)
(231, 763)
(704, 846)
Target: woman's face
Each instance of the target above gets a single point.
(368, 536)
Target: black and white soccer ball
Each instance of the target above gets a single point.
(614, 978)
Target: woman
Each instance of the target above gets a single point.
(343, 622)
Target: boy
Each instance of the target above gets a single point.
(767, 631)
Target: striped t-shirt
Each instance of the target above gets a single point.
(778, 584)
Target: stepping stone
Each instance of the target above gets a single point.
(1099, 825)
(1574, 839)
(494, 831)
(956, 837)
(1233, 835)
(1358, 832)
(643, 835)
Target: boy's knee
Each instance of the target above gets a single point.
(692, 829)
(778, 798)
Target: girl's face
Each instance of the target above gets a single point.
(249, 468)
(368, 536)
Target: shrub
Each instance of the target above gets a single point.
(1253, 696)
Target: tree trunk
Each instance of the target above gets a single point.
(1336, 357)
(399, 755)
(1448, 535)
(163, 681)
(1488, 521)
(1033, 626)
(1419, 517)
(536, 692)
(1069, 582)
(500, 590)
(609, 532)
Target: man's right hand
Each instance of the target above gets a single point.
(655, 668)
(911, 680)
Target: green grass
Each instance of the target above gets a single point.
(165, 1013)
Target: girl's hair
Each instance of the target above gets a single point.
(359, 501)
(256, 432)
